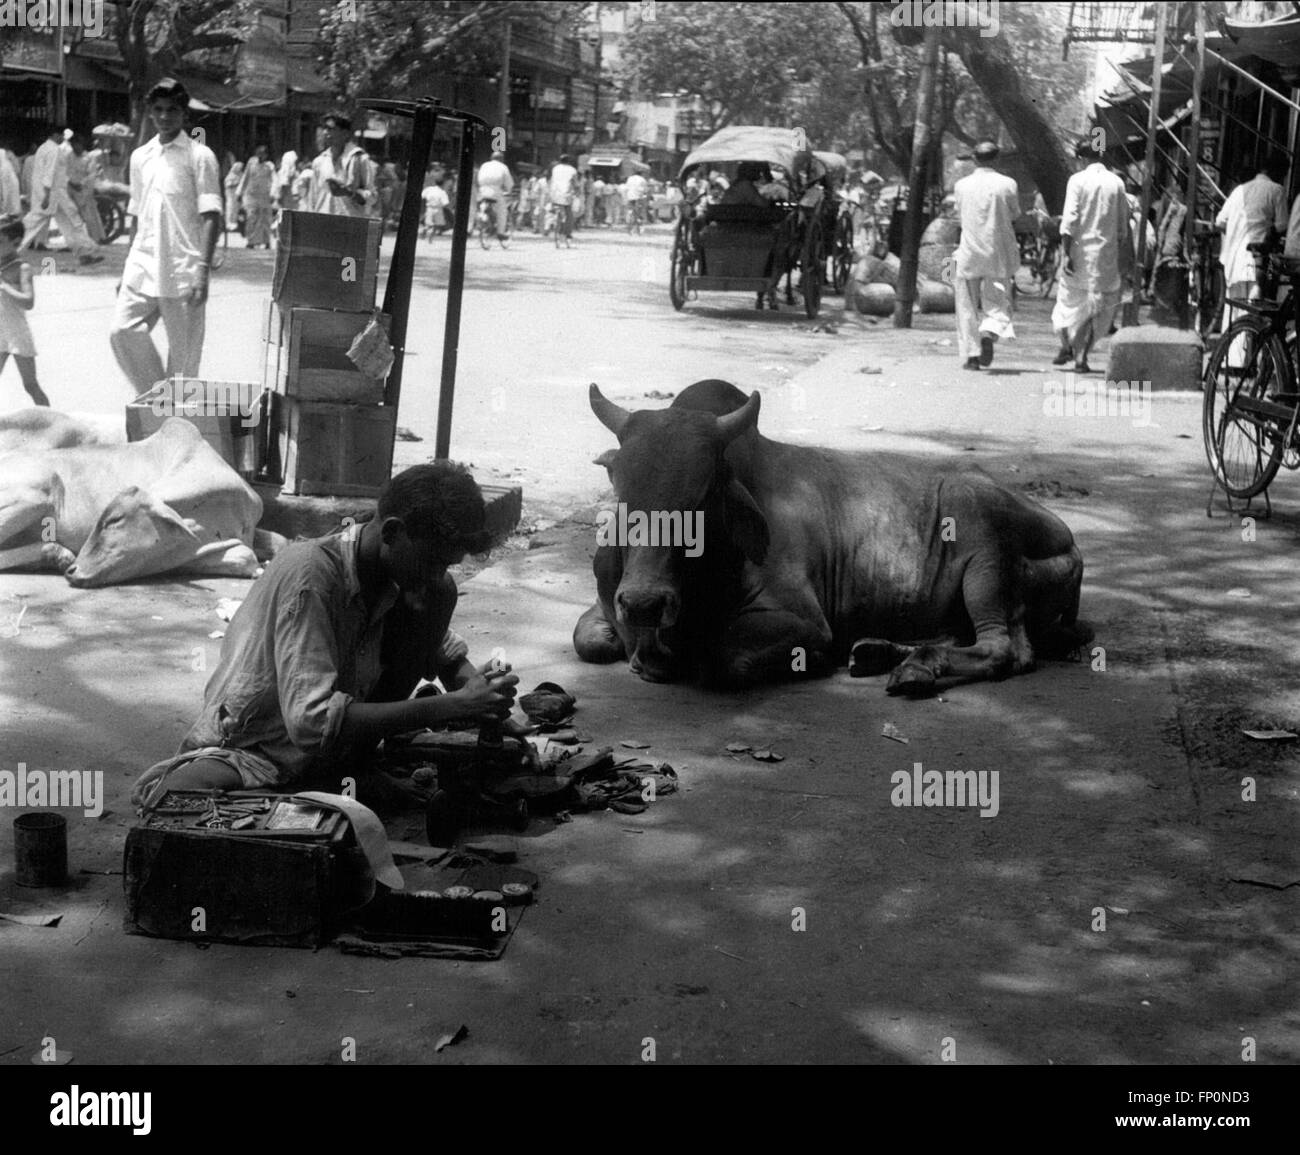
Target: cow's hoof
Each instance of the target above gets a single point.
(872, 656)
(911, 682)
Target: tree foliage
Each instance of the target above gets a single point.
(384, 48)
(159, 37)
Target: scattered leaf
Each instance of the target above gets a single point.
(404, 434)
(871, 369)
(893, 733)
(1239, 592)
(1270, 735)
(767, 756)
(226, 608)
(738, 748)
(60, 1059)
(461, 1032)
(217, 634)
(635, 745)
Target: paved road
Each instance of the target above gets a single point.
(1122, 788)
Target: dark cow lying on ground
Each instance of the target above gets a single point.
(811, 556)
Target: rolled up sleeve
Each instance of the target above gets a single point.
(307, 674)
(207, 179)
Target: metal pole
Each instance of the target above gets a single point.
(1153, 127)
(455, 286)
(1194, 145)
(917, 179)
(503, 93)
(397, 291)
(1273, 92)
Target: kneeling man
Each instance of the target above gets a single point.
(319, 662)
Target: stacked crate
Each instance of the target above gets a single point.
(335, 435)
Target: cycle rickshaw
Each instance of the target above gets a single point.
(837, 218)
(734, 247)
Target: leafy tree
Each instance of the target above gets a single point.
(158, 37)
(386, 48)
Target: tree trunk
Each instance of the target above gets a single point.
(918, 179)
(991, 66)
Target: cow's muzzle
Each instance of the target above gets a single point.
(647, 608)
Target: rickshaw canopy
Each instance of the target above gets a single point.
(787, 147)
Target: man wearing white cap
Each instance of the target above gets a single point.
(984, 265)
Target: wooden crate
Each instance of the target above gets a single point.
(227, 414)
(330, 449)
(327, 262)
(306, 355)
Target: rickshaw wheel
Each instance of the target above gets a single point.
(810, 270)
(677, 275)
(842, 260)
(112, 218)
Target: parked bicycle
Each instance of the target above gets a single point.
(1252, 385)
(1205, 285)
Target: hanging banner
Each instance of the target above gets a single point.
(33, 49)
(261, 65)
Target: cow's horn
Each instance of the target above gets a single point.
(612, 417)
(745, 418)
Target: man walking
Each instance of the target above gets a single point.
(343, 179)
(176, 213)
(984, 265)
(1252, 209)
(50, 200)
(495, 185)
(1097, 254)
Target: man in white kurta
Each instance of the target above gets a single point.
(1097, 252)
(176, 205)
(984, 265)
(1252, 209)
(495, 185)
(51, 200)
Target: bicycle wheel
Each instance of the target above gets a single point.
(483, 230)
(842, 258)
(1245, 432)
(677, 271)
(1209, 309)
(111, 218)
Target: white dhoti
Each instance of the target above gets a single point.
(1242, 290)
(983, 309)
(1084, 312)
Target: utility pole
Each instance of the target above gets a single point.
(918, 177)
(1194, 144)
(503, 89)
(1131, 312)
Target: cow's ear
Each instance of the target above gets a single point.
(746, 523)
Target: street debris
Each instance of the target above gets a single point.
(738, 748)
(631, 745)
(893, 733)
(1239, 592)
(1270, 735)
(730, 955)
(226, 607)
(32, 919)
(871, 369)
(217, 634)
(767, 756)
(404, 434)
(659, 395)
(461, 1032)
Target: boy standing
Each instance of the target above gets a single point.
(176, 211)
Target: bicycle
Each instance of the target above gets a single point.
(635, 216)
(1251, 406)
(485, 224)
(1040, 253)
(1205, 287)
(564, 225)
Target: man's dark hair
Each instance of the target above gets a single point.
(1275, 166)
(440, 501)
(169, 89)
(337, 120)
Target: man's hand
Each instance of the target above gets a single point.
(199, 291)
(488, 697)
(336, 187)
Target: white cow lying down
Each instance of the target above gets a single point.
(111, 513)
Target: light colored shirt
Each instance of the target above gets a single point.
(987, 206)
(297, 652)
(1293, 232)
(1247, 214)
(352, 169)
(563, 178)
(1096, 216)
(636, 188)
(172, 185)
(257, 184)
(49, 172)
(10, 184)
(494, 181)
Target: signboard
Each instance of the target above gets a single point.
(33, 50)
(261, 65)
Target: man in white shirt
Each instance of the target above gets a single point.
(985, 263)
(564, 178)
(10, 184)
(1097, 252)
(495, 184)
(50, 200)
(176, 211)
(343, 178)
(1252, 210)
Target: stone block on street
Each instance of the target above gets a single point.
(1157, 357)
